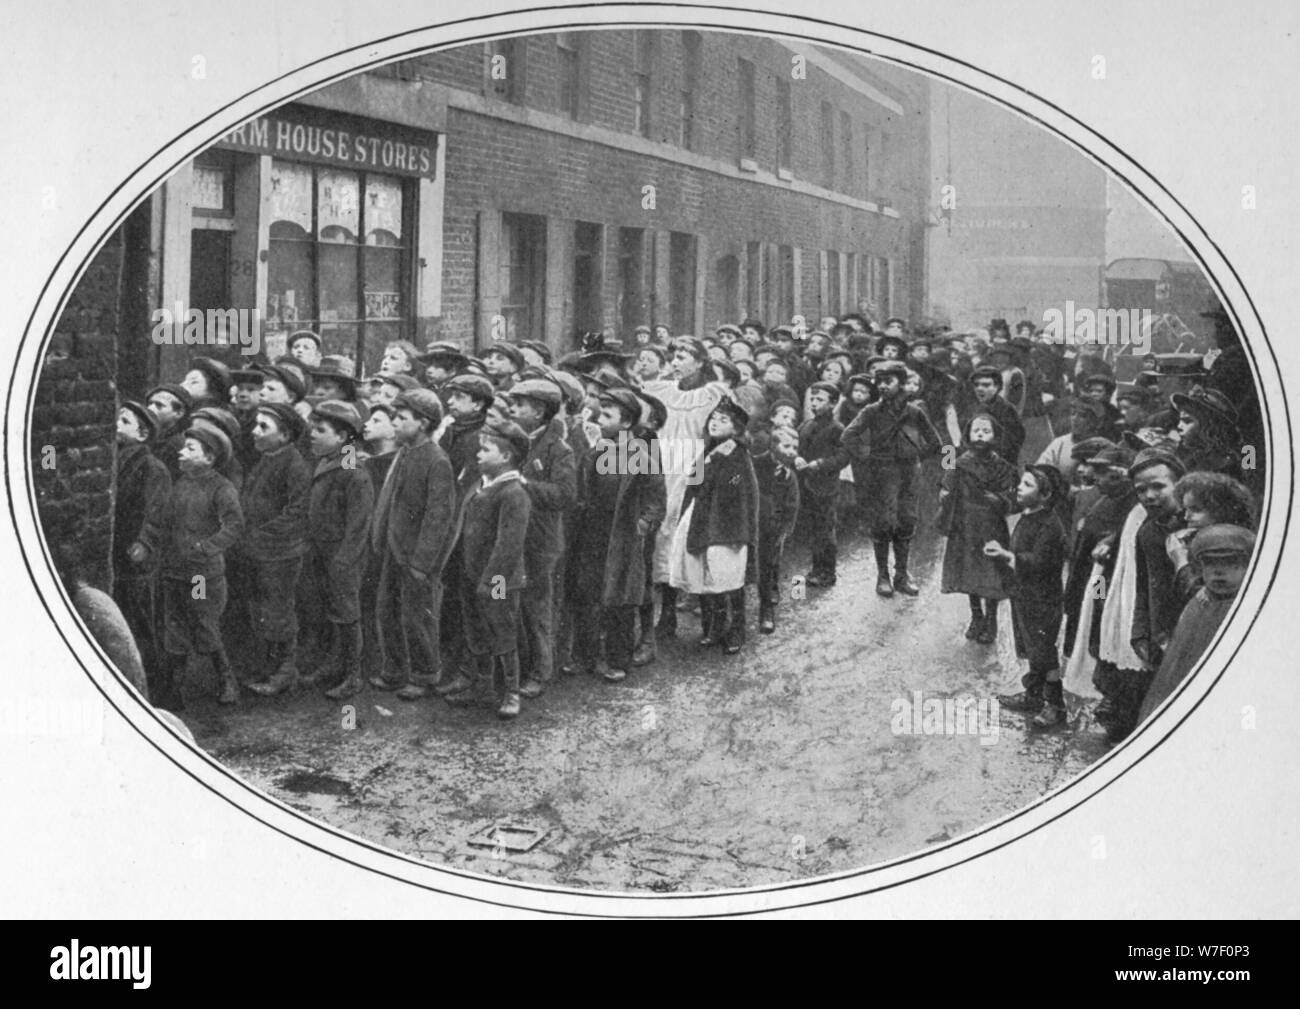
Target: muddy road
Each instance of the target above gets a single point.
(701, 771)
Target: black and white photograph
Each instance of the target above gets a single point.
(657, 461)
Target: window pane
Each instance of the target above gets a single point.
(338, 283)
(289, 285)
(338, 206)
(383, 284)
(383, 210)
(378, 334)
(340, 339)
(290, 199)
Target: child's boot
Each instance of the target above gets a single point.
(285, 676)
(229, 684)
(667, 626)
(976, 618)
(734, 636)
(711, 619)
(348, 637)
(1029, 700)
(884, 587)
(902, 579)
(510, 688)
(1053, 712)
(766, 616)
(989, 633)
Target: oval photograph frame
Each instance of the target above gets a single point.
(374, 858)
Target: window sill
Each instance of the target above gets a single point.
(748, 165)
(785, 175)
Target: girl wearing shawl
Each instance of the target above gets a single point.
(715, 550)
(975, 496)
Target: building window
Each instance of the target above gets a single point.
(868, 161)
(784, 125)
(748, 121)
(828, 146)
(690, 84)
(681, 281)
(833, 294)
(644, 61)
(339, 258)
(506, 70)
(523, 275)
(846, 145)
(587, 241)
(880, 288)
(569, 71)
(785, 284)
(754, 278)
(632, 308)
(726, 286)
(885, 180)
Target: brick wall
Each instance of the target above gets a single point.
(73, 422)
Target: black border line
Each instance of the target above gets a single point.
(583, 895)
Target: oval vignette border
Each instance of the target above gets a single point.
(452, 882)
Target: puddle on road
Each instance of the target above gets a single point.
(310, 782)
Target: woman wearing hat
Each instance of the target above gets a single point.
(1208, 436)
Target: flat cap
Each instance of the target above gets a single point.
(1222, 541)
(423, 402)
(541, 389)
(341, 412)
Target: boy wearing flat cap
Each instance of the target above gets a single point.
(620, 505)
(188, 539)
(413, 532)
(890, 438)
(550, 477)
(170, 406)
(821, 457)
(143, 486)
(339, 510)
(274, 503)
(494, 531)
(1221, 554)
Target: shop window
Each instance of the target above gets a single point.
(339, 258)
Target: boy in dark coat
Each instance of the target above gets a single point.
(170, 405)
(620, 504)
(143, 486)
(413, 532)
(892, 437)
(778, 511)
(820, 459)
(986, 397)
(339, 510)
(189, 540)
(1036, 557)
(274, 503)
(495, 529)
(549, 476)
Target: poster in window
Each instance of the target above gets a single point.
(208, 188)
(383, 211)
(291, 194)
(338, 208)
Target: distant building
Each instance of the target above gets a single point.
(1028, 229)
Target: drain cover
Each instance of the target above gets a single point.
(512, 837)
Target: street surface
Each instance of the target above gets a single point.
(699, 772)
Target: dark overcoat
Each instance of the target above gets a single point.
(415, 510)
(981, 492)
(274, 502)
(726, 504)
(143, 485)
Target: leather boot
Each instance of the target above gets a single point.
(711, 620)
(884, 587)
(734, 636)
(229, 685)
(1053, 712)
(646, 649)
(902, 580)
(1028, 700)
(766, 617)
(348, 637)
(976, 618)
(989, 633)
(667, 626)
(170, 670)
(285, 676)
(510, 685)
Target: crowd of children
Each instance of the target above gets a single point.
(458, 521)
